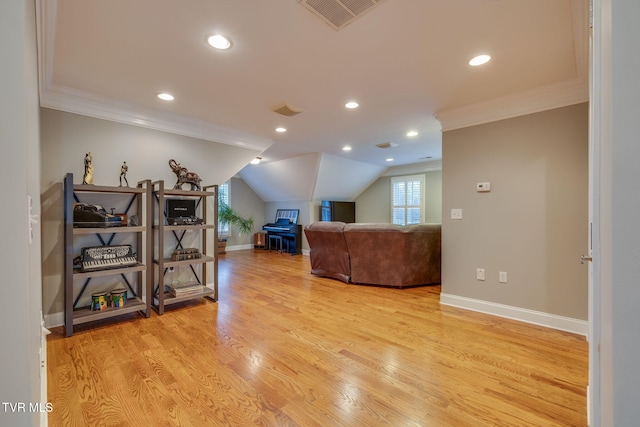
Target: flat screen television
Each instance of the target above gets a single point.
(337, 211)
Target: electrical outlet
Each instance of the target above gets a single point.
(456, 213)
(480, 273)
(503, 277)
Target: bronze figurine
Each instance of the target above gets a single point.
(88, 169)
(184, 176)
(123, 173)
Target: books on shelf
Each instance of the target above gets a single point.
(183, 289)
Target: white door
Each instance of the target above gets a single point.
(591, 257)
(598, 127)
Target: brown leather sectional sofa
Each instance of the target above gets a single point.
(375, 254)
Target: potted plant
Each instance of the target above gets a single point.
(228, 216)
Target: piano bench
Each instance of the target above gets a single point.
(277, 240)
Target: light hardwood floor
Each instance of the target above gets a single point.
(284, 348)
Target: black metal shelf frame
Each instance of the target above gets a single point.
(141, 197)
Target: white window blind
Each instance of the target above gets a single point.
(407, 199)
(223, 197)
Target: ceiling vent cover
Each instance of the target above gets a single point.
(339, 13)
(386, 145)
(287, 110)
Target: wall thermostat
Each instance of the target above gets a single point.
(483, 186)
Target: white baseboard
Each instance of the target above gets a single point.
(239, 247)
(249, 246)
(568, 324)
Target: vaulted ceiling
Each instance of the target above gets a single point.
(404, 61)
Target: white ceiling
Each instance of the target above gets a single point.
(405, 62)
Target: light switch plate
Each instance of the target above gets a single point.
(456, 213)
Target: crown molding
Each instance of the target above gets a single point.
(549, 97)
(88, 104)
(432, 165)
(546, 98)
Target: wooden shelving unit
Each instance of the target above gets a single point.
(165, 235)
(139, 300)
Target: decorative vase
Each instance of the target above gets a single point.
(222, 246)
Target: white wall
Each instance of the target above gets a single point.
(248, 204)
(616, 260)
(433, 194)
(66, 137)
(531, 225)
(314, 176)
(20, 260)
(373, 204)
(343, 179)
(289, 179)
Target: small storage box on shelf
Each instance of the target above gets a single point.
(169, 238)
(135, 278)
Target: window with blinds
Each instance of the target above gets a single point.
(223, 197)
(407, 199)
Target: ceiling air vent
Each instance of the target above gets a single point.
(339, 13)
(386, 145)
(287, 110)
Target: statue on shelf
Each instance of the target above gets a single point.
(88, 169)
(123, 173)
(184, 176)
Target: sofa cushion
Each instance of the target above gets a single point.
(394, 255)
(328, 250)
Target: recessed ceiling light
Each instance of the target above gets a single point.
(412, 133)
(281, 130)
(165, 96)
(256, 161)
(389, 159)
(219, 42)
(479, 60)
(351, 104)
(346, 148)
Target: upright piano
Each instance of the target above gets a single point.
(286, 226)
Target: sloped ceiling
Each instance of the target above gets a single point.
(283, 180)
(315, 176)
(343, 179)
